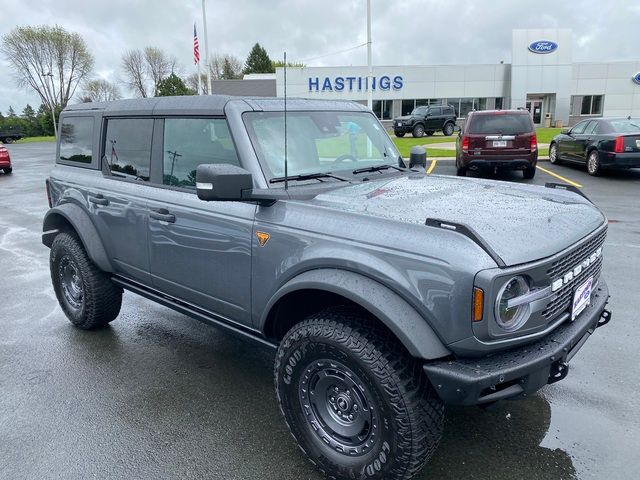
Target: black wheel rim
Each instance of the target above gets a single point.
(71, 282)
(338, 407)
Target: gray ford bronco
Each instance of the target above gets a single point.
(385, 292)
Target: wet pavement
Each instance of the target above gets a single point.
(158, 395)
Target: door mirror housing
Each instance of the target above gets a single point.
(223, 182)
(565, 131)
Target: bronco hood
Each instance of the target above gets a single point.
(521, 223)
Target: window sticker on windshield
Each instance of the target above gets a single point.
(375, 125)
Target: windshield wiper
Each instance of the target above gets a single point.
(308, 176)
(377, 168)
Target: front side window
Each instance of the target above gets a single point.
(319, 142)
(128, 147)
(76, 139)
(579, 128)
(189, 142)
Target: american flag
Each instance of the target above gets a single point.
(196, 46)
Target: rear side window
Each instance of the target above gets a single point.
(447, 111)
(189, 142)
(504, 124)
(76, 139)
(128, 147)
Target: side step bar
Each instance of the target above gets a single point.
(193, 311)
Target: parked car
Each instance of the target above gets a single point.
(187, 201)
(497, 139)
(5, 160)
(599, 143)
(10, 136)
(426, 120)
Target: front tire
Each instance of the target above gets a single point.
(8, 140)
(86, 294)
(448, 129)
(553, 153)
(418, 131)
(593, 164)
(356, 402)
(8, 170)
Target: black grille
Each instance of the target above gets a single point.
(562, 266)
(561, 300)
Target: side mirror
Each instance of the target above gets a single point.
(223, 182)
(418, 157)
(565, 131)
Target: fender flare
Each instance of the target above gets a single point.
(77, 217)
(391, 309)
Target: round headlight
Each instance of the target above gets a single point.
(512, 318)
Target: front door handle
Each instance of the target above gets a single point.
(163, 215)
(99, 200)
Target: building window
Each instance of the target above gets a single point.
(408, 106)
(382, 109)
(498, 103)
(591, 105)
(466, 105)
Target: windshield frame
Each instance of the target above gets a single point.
(389, 146)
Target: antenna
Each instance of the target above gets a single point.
(286, 172)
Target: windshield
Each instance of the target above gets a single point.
(626, 126)
(503, 123)
(319, 142)
(419, 111)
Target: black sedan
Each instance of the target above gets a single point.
(599, 143)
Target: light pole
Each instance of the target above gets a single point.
(206, 49)
(53, 113)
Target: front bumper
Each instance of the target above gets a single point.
(402, 128)
(522, 370)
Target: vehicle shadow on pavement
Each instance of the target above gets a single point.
(502, 442)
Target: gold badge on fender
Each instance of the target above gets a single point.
(262, 238)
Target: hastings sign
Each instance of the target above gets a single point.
(543, 46)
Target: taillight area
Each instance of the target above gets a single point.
(619, 145)
(48, 189)
(465, 144)
(534, 143)
(4, 153)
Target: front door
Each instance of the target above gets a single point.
(199, 252)
(535, 109)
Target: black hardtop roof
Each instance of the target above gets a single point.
(208, 105)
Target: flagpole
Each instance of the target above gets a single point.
(206, 49)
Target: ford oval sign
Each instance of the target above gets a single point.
(543, 46)
(636, 78)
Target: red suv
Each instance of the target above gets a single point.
(494, 139)
(5, 160)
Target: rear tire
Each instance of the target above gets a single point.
(418, 131)
(448, 129)
(338, 369)
(8, 140)
(528, 173)
(593, 164)
(399, 134)
(461, 171)
(86, 294)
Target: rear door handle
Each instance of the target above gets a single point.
(99, 200)
(163, 215)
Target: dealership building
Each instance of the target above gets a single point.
(541, 77)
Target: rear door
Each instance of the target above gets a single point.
(118, 204)
(199, 252)
(501, 134)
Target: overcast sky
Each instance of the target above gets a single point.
(413, 32)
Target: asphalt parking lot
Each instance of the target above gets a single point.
(158, 395)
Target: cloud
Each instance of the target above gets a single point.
(404, 31)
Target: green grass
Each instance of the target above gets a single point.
(546, 134)
(37, 139)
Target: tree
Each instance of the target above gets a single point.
(230, 69)
(192, 82)
(280, 63)
(11, 112)
(258, 61)
(100, 90)
(49, 60)
(144, 69)
(173, 85)
(31, 127)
